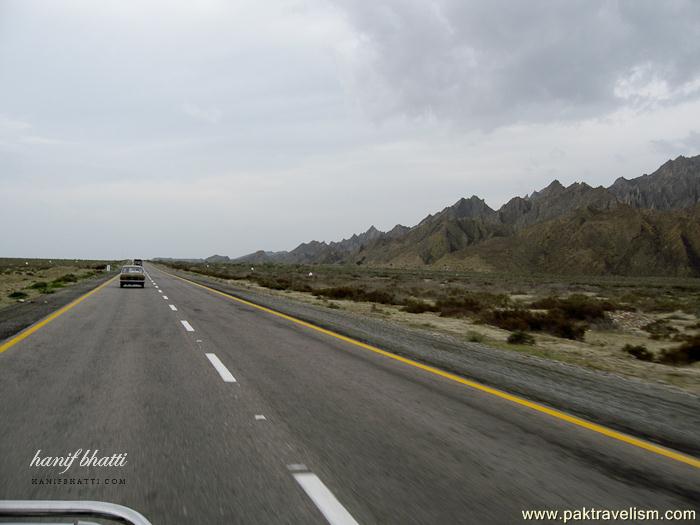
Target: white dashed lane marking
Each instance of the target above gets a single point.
(187, 326)
(172, 307)
(323, 498)
(260, 417)
(221, 368)
(165, 297)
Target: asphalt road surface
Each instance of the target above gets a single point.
(229, 414)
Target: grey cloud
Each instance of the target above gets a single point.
(487, 63)
(232, 115)
(688, 145)
(210, 115)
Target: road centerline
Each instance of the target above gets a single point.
(221, 368)
(323, 498)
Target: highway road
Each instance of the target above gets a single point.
(230, 414)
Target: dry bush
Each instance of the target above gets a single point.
(357, 294)
(416, 306)
(639, 352)
(660, 329)
(521, 338)
(578, 306)
(553, 322)
(685, 354)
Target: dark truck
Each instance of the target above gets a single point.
(132, 275)
(138, 262)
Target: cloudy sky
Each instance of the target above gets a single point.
(187, 128)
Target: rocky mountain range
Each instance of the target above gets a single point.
(649, 225)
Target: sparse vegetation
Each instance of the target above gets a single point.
(416, 306)
(578, 306)
(553, 322)
(352, 293)
(33, 277)
(660, 329)
(639, 352)
(521, 338)
(474, 337)
(67, 278)
(685, 354)
(613, 313)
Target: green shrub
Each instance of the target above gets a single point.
(300, 286)
(67, 278)
(17, 295)
(41, 285)
(416, 306)
(274, 283)
(521, 338)
(685, 354)
(475, 337)
(459, 306)
(660, 329)
(639, 352)
(356, 294)
(337, 292)
(553, 322)
(578, 306)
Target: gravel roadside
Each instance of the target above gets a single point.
(18, 316)
(656, 412)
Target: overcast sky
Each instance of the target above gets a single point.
(184, 129)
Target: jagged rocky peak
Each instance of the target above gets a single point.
(397, 231)
(473, 207)
(372, 233)
(675, 185)
(554, 187)
(580, 185)
(515, 208)
(551, 213)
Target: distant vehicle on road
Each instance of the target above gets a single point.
(132, 275)
(138, 262)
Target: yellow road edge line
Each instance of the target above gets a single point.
(46, 320)
(595, 427)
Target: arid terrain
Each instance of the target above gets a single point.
(25, 280)
(644, 327)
